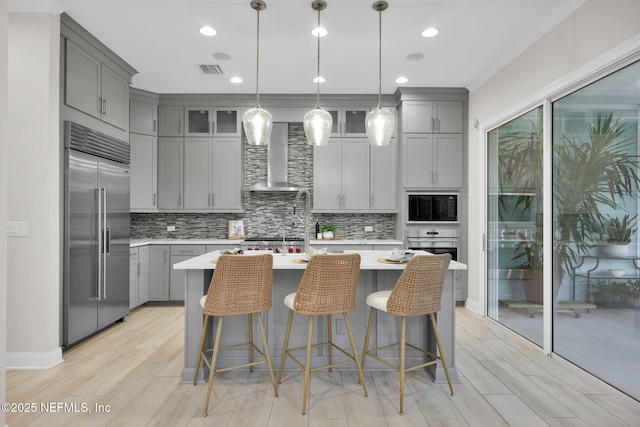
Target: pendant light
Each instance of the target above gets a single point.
(257, 121)
(318, 122)
(380, 122)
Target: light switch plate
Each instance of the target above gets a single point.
(368, 228)
(17, 229)
(171, 228)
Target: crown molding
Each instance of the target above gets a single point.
(54, 7)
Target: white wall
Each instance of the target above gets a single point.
(591, 31)
(34, 262)
(4, 25)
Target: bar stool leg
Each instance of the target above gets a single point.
(355, 353)
(444, 360)
(307, 365)
(267, 355)
(204, 333)
(250, 321)
(330, 338)
(286, 346)
(366, 337)
(402, 349)
(212, 367)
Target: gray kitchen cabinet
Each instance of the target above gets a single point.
(177, 278)
(143, 277)
(212, 174)
(159, 272)
(134, 274)
(432, 160)
(144, 172)
(170, 120)
(383, 177)
(348, 121)
(170, 173)
(94, 88)
(432, 117)
(198, 121)
(227, 122)
(143, 117)
(341, 175)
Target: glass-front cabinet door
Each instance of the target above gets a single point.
(514, 228)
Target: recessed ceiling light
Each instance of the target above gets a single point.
(415, 57)
(318, 79)
(236, 80)
(430, 32)
(402, 79)
(207, 31)
(221, 56)
(319, 32)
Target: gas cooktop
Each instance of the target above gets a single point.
(277, 245)
(272, 239)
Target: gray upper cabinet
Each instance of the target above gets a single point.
(432, 161)
(171, 120)
(432, 117)
(198, 121)
(94, 88)
(348, 121)
(213, 180)
(143, 118)
(341, 175)
(383, 177)
(170, 173)
(144, 172)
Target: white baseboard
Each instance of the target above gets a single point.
(29, 360)
(473, 306)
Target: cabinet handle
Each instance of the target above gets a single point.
(153, 125)
(154, 199)
(104, 106)
(371, 200)
(213, 200)
(100, 105)
(179, 200)
(138, 269)
(433, 124)
(438, 123)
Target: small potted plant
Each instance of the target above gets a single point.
(632, 294)
(327, 231)
(615, 235)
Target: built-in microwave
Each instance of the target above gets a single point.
(432, 207)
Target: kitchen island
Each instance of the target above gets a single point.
(287, 272)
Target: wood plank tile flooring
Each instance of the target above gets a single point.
(128, 375)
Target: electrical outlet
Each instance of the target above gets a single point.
(340, 328)
(368, 228)
(171, 228)
(17, 229)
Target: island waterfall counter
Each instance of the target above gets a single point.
(287, 272)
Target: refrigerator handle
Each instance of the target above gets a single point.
(100, 189)
(105, 240)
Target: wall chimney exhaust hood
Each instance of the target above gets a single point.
(277, 157)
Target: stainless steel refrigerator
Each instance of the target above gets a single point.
(96, 232)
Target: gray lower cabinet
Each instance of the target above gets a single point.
(159, 272)
(432, 160)
(138, 276)
(181, 253)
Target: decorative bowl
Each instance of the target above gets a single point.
(617, 272)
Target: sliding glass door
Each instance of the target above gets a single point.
(514, 229)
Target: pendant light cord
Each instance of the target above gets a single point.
(318, 69)
(257, 57)
(379, 57)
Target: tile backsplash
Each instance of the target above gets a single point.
(265, 213)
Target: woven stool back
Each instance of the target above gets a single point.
(240, 285)
(328, 285)
(419, 288)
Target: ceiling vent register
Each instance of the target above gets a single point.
(210, 69)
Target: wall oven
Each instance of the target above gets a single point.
(432, 207)
(434, 240)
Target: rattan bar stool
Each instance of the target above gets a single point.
(328, 286)
(417, 292)
(240, 285)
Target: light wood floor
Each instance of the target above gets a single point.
(134, 368)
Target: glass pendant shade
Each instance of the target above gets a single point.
(257, 126)
(317, 126)
(380, 124)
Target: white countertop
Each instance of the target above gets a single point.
(236, 243)
(369, 261)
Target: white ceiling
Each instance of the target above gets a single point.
(160, 39)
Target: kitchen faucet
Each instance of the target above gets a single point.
(307, 214)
